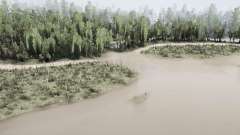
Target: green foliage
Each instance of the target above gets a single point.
(68, 32)
(202, 51)
(76, 45)
(34, 42)
(103, 38)
(24, 90)
(234, 25)
(51, 34)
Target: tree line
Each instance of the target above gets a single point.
(63, 30)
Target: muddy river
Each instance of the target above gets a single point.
(186, 97)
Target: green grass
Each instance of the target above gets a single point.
(25, 90)
(199, 51)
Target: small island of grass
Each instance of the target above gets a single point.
(199, 51)
(25, 90)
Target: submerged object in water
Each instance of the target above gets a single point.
(140, 98)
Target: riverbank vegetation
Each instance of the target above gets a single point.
(62, 30)
(202, 51)
(25, 90)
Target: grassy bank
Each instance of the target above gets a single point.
(199, 51)
(25, 90)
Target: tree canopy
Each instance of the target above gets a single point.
(63, 30)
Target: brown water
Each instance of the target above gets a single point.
(186, 97)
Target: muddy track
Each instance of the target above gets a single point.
(66, 62)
